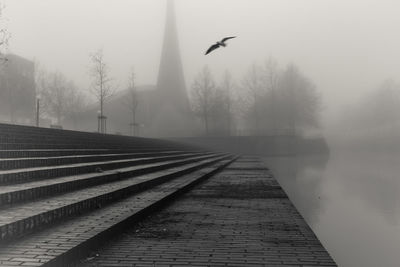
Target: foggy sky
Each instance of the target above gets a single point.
(347, 47)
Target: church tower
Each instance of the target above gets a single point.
(171, 83)
(173, 116)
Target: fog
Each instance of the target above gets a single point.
(301, 77)
(345, 47)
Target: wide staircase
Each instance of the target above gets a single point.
(64, 193)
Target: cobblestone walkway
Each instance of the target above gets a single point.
(240, 217)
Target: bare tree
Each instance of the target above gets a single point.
(254, 85)
(271, 76)
(203, 91)
(280, 99)
(227, 87)
(59, 97)
(4, 35)
(133, 100)
(219, 115)
(8, 90)
(299, 101)
(53, 95)
(102, 83)
(76, 103)
(40, 83)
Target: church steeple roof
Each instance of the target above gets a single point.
(171, 82)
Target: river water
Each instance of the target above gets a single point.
(350, 200)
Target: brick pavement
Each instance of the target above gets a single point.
(240, 217)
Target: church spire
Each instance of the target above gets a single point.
(173, 116)
(171, 83)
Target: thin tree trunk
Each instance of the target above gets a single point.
(206, 123)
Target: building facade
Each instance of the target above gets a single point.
(17, 90)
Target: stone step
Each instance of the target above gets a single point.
(20, 163)
(67, 146)
(39, 138)
(71, 239)
(11, 131)
(22, 219)
(14, 136)
(64, 145)
(70, 143)
(12, 194)
(36, 137)
(36, 153)
(22, 139)
(39, 173)
(26, 140)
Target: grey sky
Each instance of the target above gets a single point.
(346, 47)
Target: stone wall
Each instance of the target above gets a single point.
(279, 145)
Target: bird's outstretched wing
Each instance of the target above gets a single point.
(227, 38)
(213, 47)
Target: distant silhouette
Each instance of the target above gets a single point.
(218, 44)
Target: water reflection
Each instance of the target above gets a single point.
(350, 200)
(373, 179)
(301, 178)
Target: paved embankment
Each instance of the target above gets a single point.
(239, 217)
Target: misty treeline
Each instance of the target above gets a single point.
(376, 113)
(266, 100)
(61, 100)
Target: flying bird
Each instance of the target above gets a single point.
(218, 44)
